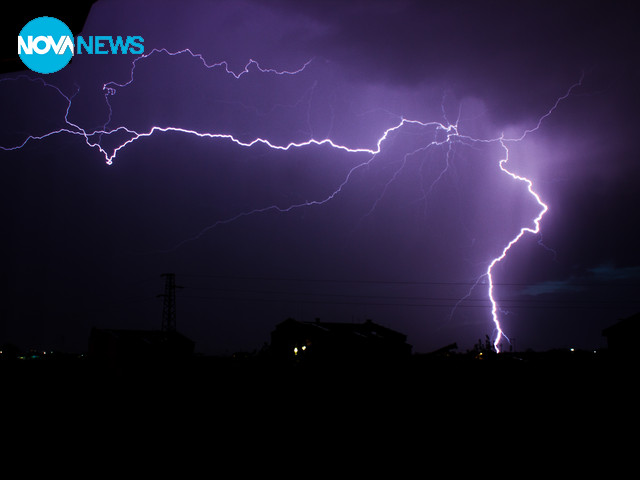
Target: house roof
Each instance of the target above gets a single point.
(627, 325)
(367, 330)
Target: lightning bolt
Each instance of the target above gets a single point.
(536, 221)
(535, 229)
(449, 137)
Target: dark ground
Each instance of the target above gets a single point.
(250, 415)
(422, 379)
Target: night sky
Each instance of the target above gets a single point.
(256, 235)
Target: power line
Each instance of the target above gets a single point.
(397, 282)
(394, 297)
(388, 304)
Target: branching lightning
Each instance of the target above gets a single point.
(449, 136)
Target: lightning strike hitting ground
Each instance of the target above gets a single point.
(450, 136)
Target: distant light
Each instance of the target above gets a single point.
(295, 350)
(304, 347)
(572, 349)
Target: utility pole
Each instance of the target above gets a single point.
(169, 303)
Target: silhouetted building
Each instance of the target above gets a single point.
(323, 342)
(623, 337)
(140, 346)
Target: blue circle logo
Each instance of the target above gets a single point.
(45, 45)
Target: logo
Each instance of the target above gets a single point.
(46, 45)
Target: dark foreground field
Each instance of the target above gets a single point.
(253, 414)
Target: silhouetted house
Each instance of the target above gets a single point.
(324, 342)
(138, 346)
(623, 337)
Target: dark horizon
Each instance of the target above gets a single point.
(12, 350)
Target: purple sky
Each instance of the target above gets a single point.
(400, 240)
